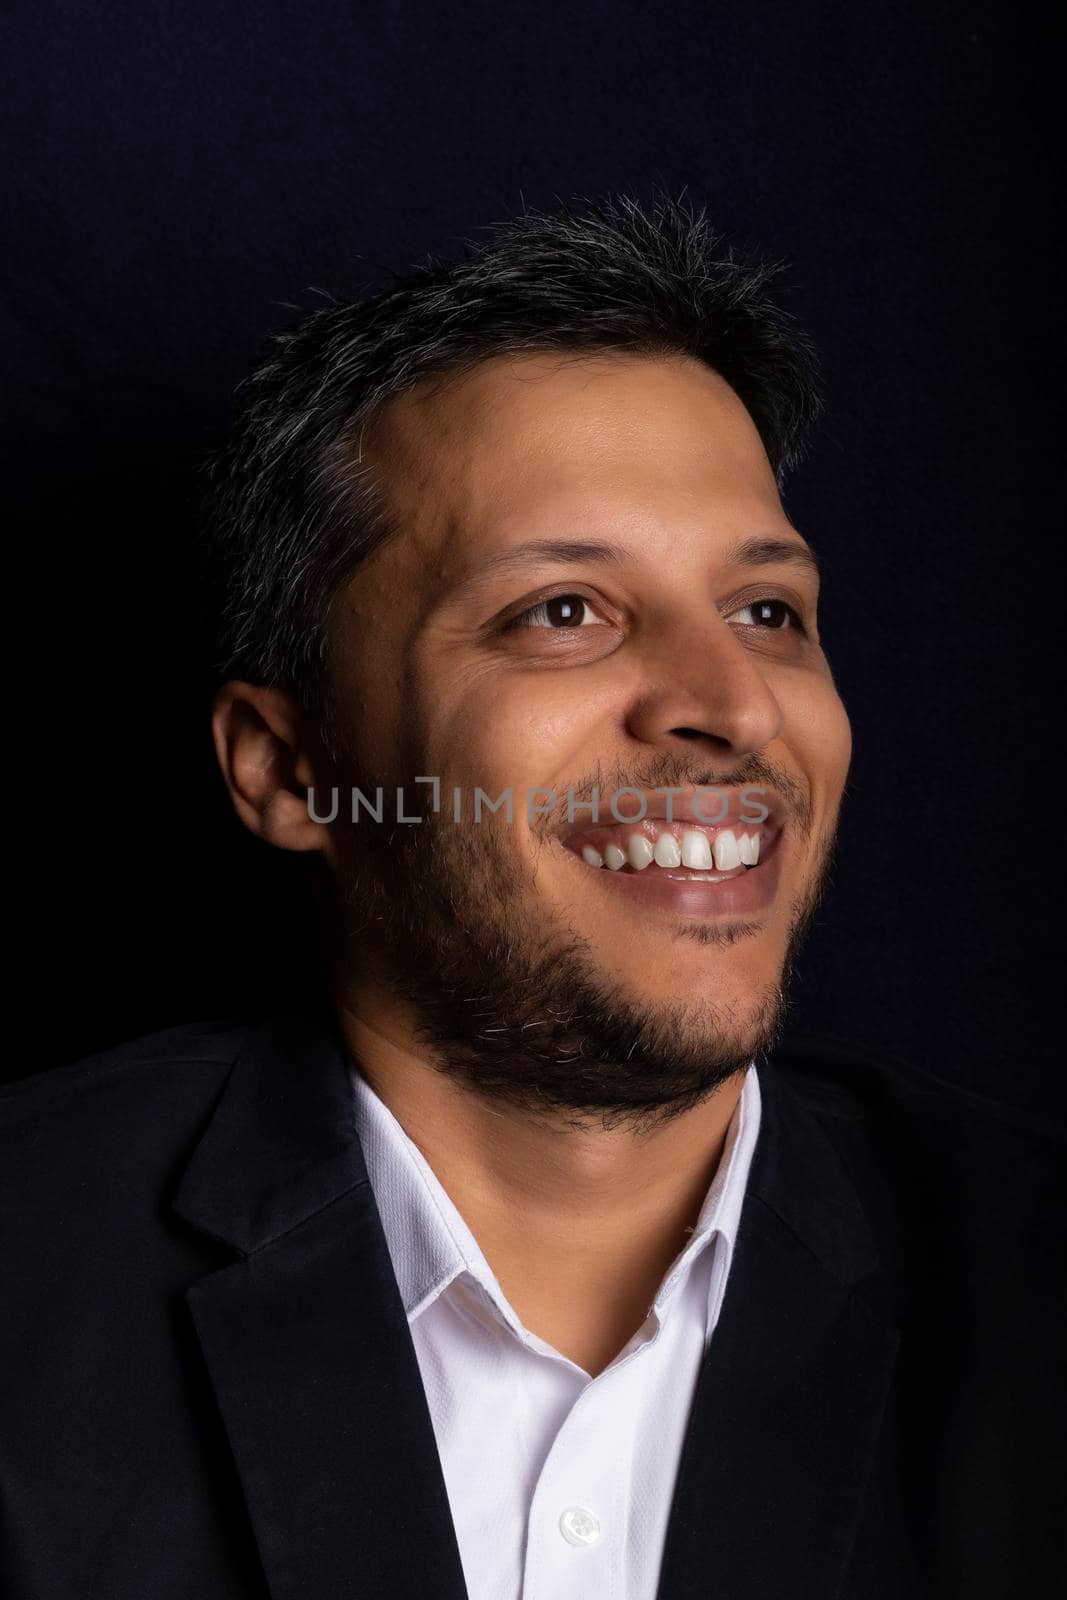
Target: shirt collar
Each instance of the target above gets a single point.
(431, 1246)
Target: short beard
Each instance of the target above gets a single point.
(526, 1016)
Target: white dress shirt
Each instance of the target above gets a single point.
(560, 1484)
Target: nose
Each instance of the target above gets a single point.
(704, 689)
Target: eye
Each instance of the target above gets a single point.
(561, 611)
(769, 613)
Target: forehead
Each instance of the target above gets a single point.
(471, 462)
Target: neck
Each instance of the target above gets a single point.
(578, 1223)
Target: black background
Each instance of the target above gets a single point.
(181, 176)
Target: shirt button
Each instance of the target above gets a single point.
(579, 1526)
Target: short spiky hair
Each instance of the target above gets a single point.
(293, 509)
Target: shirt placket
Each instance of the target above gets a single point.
(576, 1530)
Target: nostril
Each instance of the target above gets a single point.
(703, 736)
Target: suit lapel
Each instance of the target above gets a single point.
(306, 1338)
(789, 1403)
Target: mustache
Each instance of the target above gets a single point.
(669, 772)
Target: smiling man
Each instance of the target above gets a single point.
(535, 1265)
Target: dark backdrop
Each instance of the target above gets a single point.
(180, 176)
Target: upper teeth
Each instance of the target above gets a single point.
(748, 848)
(639, 850)
(695, 851)
(667, 852)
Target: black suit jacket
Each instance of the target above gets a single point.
(209, 1388)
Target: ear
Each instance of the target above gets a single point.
(270, 758)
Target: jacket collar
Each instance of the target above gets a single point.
(309, 1350)
(281, 1143)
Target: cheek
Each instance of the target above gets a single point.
(511, 730)
(820, 736)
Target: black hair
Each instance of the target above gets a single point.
(293, 508)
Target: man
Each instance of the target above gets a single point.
(534, 1265)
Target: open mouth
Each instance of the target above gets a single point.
(682, 864)
(686, 851)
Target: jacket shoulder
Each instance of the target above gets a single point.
(187, 1045)
(845, 1082)
(937, 1168)
(92, 1135)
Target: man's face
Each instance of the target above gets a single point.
(594, 583)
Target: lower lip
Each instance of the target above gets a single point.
(753, 890)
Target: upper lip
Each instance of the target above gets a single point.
(695, 805)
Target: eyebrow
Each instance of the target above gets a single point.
(759, 552)
(564, 551)
(752, 552)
